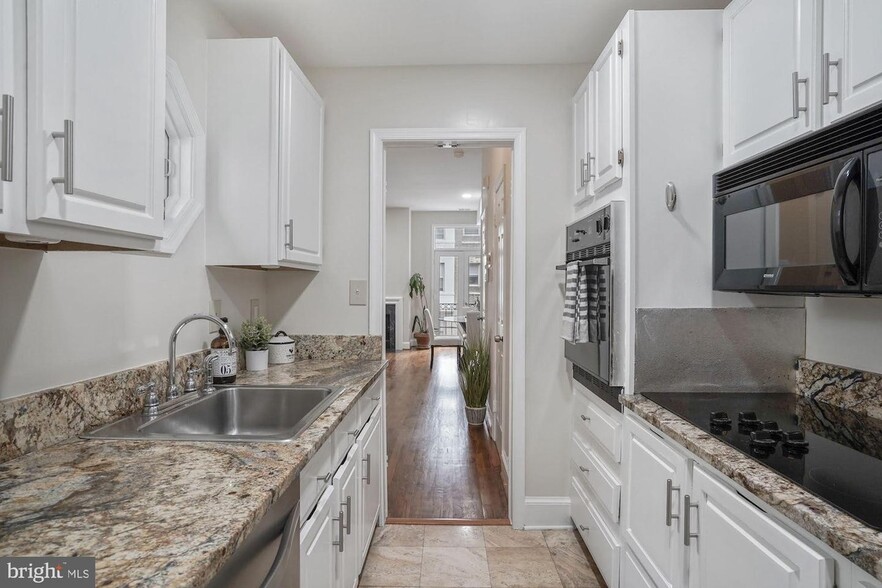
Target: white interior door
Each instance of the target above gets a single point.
(766, 42)
(502, 409)
(101, 65)
(853, 56)
(300, 166)
(607, 119)
(13, 80)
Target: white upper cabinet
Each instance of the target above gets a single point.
(769, 80)
(607, 154)
(96, 114)
(264, 187)
(581, 147)
(736, 545)
(13, 80)
(851, 74)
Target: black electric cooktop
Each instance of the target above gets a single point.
(832, 452)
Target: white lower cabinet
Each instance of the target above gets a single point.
(633, 574)
(600, 538)
(348, 483)
(737, 545)
(654, 477)
(370, 448)
(318, 554)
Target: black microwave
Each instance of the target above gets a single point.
(804, 218)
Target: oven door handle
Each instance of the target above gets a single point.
(847, 269)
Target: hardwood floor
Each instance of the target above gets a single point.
(439, 467)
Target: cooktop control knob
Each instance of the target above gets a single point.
(748, 420)
(773, 429)
(720, 419)
(762, 439)
(795, 440)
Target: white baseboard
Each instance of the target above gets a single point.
(405, 345)
(547, 512)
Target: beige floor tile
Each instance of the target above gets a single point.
(453, 536)
(574, 565)
(399, 536)
(455, 567)
(522, 567)
(508, 537)
(392, 566)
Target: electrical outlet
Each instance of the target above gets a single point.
(358, 294)
(255, 308)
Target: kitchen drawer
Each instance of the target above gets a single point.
(371, 399)
(597, 427)
(592, 472)
(346, 433)
(315, 477)
(602, 542)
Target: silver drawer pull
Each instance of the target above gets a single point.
(796, 80)
(367, 461)
(825, 78)
(354, 432)
(326, 478)
(348, 506)
(67, 145)
(669, 502)
(584, 469)
(375, 398)
(584, 528)
(585, 418)
(688, 535)
(339, 521)
(7, 134)
(289, 234)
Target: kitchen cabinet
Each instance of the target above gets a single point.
(600, 538)
(96, 114)
(583, 102)
(608, 146)
(633, 574)
(769, 81)
(736, 544)
(652, 519)
(264, 196)
(318, 535)
(13, 82)
(851, 57)
(348, 483)
(370, 448)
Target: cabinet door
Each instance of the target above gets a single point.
(768, 50)
(651, 516)
(318, 554)
(580, 143)
(633, 574)
(608, 139)
(348, 484)
(101, 65)
(371, 453)
(13, 79)
(852, 56)
(737, 545)
(300, 167)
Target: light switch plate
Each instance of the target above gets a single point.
(255, 308)
(358, 295)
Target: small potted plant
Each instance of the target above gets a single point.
(474, 379)
(254, 339)
(419, 328)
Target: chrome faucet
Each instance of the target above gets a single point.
(174, 391)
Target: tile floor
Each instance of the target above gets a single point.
(478, 557)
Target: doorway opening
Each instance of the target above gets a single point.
(447, 215)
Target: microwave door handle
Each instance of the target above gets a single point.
(847, 269)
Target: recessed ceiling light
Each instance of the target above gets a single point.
(466, 195)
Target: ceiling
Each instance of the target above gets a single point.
(358, 33)
(428, 178)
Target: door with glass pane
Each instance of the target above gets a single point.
(457, 275)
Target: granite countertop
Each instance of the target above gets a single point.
(157, 513)
(850, 537)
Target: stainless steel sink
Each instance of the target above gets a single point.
(235, 413)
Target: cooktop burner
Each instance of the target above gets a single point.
(831, 452)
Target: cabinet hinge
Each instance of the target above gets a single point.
(621, 157)
(621, 47)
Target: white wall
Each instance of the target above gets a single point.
(397, 252)
(71, 316)
(845, 331)
(535, 97)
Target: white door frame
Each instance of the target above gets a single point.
(517, 249)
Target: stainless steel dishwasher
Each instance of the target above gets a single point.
(270, 555)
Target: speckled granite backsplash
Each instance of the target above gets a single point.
(41, 419)
(849, 388)
(354, 347)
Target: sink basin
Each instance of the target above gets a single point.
(235, 413)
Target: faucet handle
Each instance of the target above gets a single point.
(208, 366)
(190, 383)
(151, 398)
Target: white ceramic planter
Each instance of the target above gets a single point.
(475, 416)
(256, 361)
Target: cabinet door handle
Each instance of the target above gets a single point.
(67, 145)
(796, 82)
(585, 418)
(825, 78)
(669, 502)
(326, 478)
(584, 528)
(289, 234)
(581, 173)
(7, 132)
(348, 506)
(367, 461)
(591, 175)
(584, 469)
(339, 521)
(688, 535)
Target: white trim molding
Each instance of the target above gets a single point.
(516, 138)
(547, 512)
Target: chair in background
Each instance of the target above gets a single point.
(473, 326)
(436, 340)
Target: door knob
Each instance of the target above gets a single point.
(498, 338)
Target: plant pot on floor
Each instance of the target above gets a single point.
(256, 361)
(475, 416)
(422, 340)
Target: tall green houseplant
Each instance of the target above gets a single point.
(418, 327)
(474, 379)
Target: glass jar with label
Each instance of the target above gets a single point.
(225, 368)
